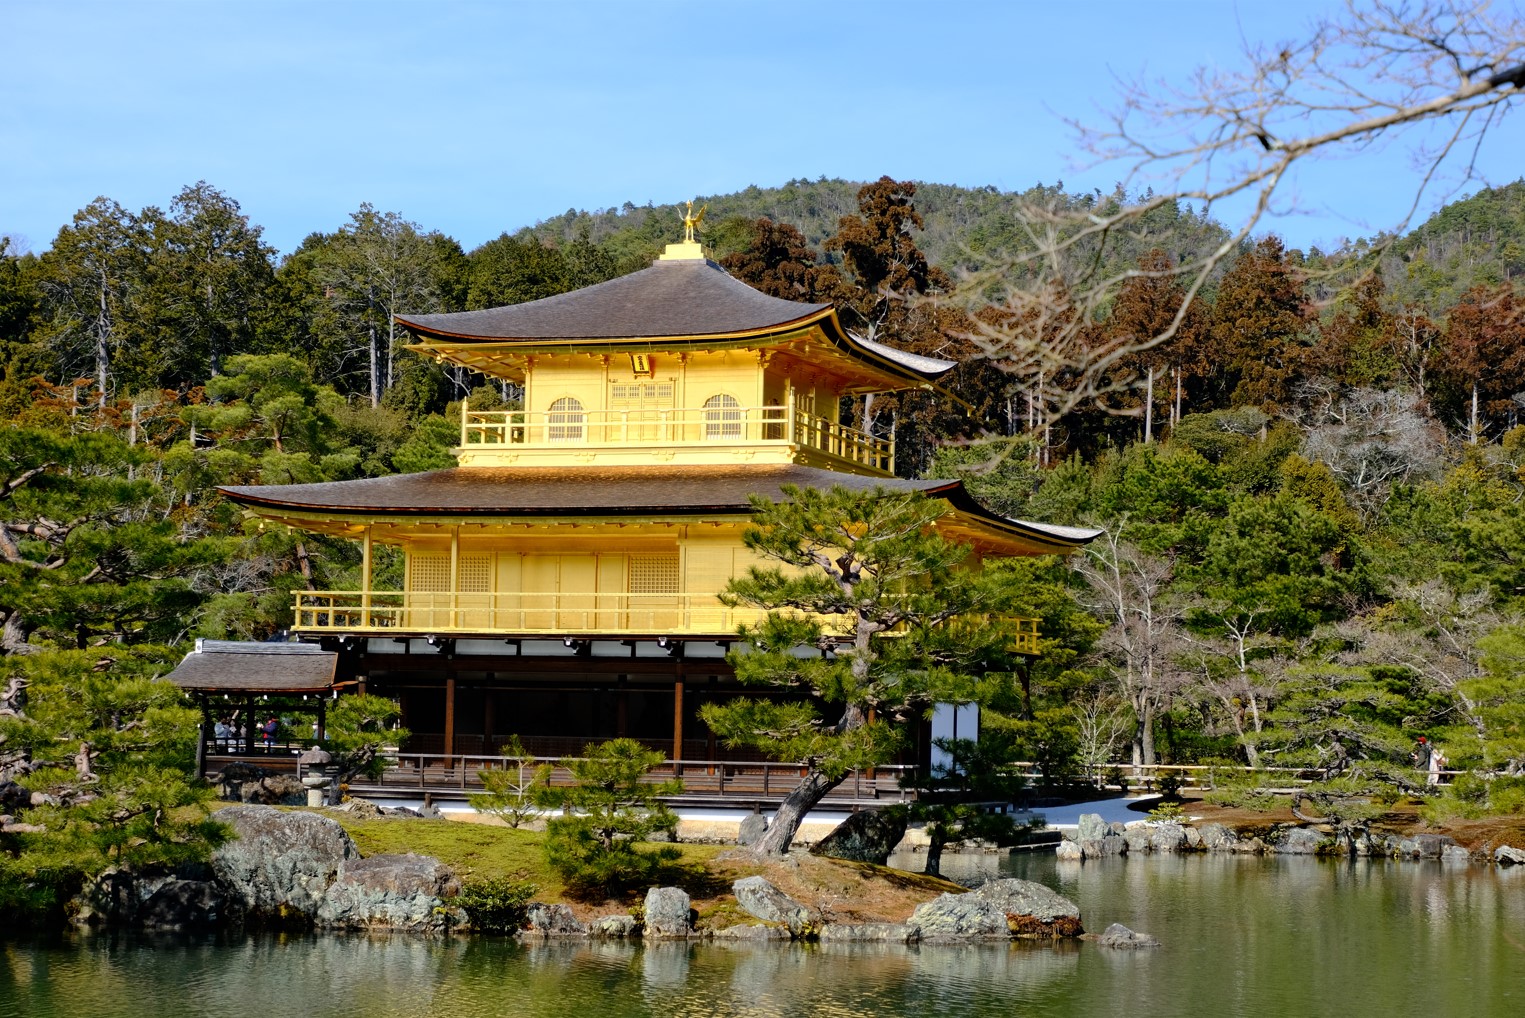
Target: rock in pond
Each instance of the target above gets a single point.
(1092, 828)
(1119, 936)
(1300, 841)
(669, 913)
(953, 917)
(1508, 855)
(868, 933)
(404, 892)
(1031, 909)
(616, 927)
(185, 898)
(278, 866)
(552, 921)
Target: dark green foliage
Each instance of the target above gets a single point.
(497, 905)
(608, 811)
(103, 751)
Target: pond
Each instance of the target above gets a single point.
(1242, 936)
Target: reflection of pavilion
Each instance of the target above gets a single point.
(561, 583)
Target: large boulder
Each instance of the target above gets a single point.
(542, 920)
(1092, 828)
(1101, 848)
(278, 866)
(1433, 846)
(618, 927)
(1300, 841)
(1137, 839)
(751, 830)
(186, 898)
(1508, 855)
(1217, 837)
(1166, 838)
(408, 892)
(669, 913)
(1031, 909)
(867, 836)
(951, 917)
(1069, 851)
(761, 899)
(868, 933)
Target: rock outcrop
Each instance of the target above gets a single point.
(278, 866)
(669, 914)
(185, 898)
(998, 910)
(761, 899)
(867, 836)
(407, 892)
(542, 920)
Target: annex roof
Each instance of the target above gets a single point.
(226, 666)
(615, 492)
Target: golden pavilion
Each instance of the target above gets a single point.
(561, 582)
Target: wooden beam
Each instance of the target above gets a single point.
(449, 719)
(677, 716)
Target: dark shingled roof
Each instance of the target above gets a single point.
(610, 491)
(226, 666)
(674, 298)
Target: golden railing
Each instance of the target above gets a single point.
(549, 614)
(675, 426)
(518, 612)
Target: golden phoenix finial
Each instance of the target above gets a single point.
(691, 222)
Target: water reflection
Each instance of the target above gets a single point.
(1242, 936)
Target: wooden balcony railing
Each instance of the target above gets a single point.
(522, 613)
(685, 426)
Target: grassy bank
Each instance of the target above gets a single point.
(844, 891)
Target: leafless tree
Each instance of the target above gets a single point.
(1128, 588)
(1430, 79)
(1371, 439)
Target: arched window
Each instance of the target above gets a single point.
(722, 417)
(565, 421)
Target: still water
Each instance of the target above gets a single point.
(1241, 937)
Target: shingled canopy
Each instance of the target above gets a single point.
(627, 491)
(230, 666)
(685, 302)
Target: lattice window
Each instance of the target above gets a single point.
(476, 574)
(654, 574)
(429, 573)
(641, 396)
(722, 417)
(565, 421)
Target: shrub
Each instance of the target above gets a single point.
(604, 815)
(1170, 786)
(498, 905)
(510, 788)
(1470, 788)
(1168, 813)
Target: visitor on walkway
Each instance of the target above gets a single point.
(267, 734)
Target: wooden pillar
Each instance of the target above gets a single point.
(677, 715)
(455, 576)
(489, 713)
(449, 719)
(322, 718)
(365, 576)
(205, 734)
(621, 708)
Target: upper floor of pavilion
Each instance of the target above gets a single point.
(679, 363)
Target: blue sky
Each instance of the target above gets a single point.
(474, 118)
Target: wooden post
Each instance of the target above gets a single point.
(677, 715)
(205, 732)
(322, 717)
(455, 576)
(365, 577)
(449, 720)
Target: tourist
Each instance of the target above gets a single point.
(268, 733)
(223, 734)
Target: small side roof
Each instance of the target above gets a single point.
(227, 666)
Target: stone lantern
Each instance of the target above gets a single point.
(315, 773)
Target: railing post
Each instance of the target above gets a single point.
(465, 413)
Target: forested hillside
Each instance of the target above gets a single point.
(1314, 547)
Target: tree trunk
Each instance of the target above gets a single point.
(1472, 425)
(304, 565)
(791, 812)
(1149, 407)
(102, 344)
(935, 843)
